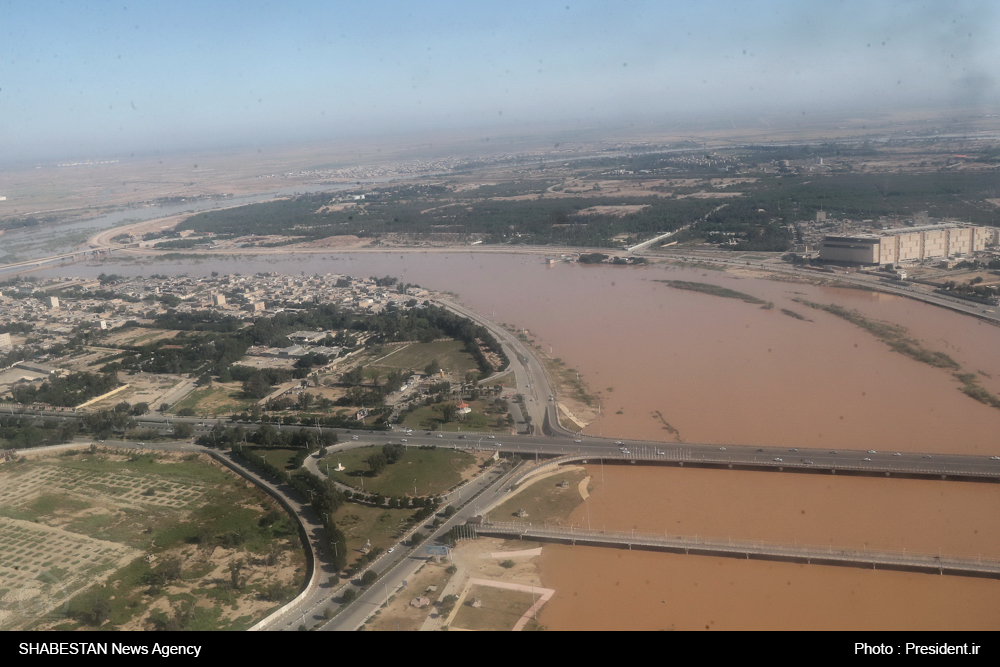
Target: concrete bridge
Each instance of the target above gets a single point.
(825, 555)
(701, 456)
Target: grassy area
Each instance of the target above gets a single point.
(214, 399)
(435, 471)
(429, 417)
(543, 500)
(501, 609)
(130, 520)
(450, 355)
(715, 290)
(891, 334)
(281, 458)
(361, 523)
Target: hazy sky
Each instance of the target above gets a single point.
(83, 77)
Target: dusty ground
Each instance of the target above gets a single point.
(71, 521)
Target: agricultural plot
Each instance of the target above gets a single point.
(139, 542)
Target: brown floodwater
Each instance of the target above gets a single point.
(717, 369)
(720, 370)
(927, 516)
(611, 589)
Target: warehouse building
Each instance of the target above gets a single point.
(912, 244)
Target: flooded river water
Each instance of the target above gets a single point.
(724, 371)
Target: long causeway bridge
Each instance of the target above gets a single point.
(797, 553)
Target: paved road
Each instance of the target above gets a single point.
(931, 463)
(532, 381)
(396, 568)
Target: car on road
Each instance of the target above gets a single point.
(793, 449)
(833, 451)
(992, 458)
(492, 437)
(402, 439)
(619, 442)
(777, 458)
(808, 463)
(439, 436)
(866, 459)
(927, 456)
(722, 449)
(896, 454)
(871, 451)
(462, 437)
(582, 441)
(390, 550)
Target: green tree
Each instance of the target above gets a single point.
(369, 578)
(432, 368)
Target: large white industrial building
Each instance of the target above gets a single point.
(911, 244)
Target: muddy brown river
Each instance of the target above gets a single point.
(723, 371)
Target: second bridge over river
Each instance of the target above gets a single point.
(798, 553)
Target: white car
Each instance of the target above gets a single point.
(896, 454)
(439, 435)
(867, 459)
(582, 441)
(390, 550)
(777, 459)
(992, 458)
(619, 442)
(722, 449)
(402, 439)
(492, 437)
(871, 451)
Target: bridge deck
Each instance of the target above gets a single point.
(798, 553)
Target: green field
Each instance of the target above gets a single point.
(214, 399)
(280, 458)
(450, 355)
(435, 471)
(428, 417)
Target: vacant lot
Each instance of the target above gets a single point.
(435, 471)
(500, 608)
(215, 399)
(450, 355)
(139, 542)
